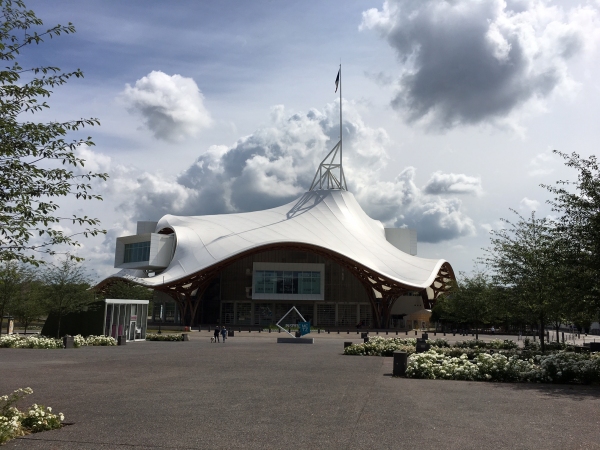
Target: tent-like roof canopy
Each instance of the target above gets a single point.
(328, 222)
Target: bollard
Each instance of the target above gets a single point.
(386, 332)
(328, 331)
(121, 340)
(396, 332)
(279, 330)
(347, 344)
(347, 331)
(269, 329)
(377, 331)
(407, 333)
(444, 334)
(453, 334)
(435, 333)
(365, 340)
(319, 331)
(230, 333)
(400, 363)
(69, 342)
(338, 331)
(415, 332)
(185, 337)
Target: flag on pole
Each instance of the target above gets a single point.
(337, 80)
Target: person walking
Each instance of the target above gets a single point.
(224, 333)
(217, 331)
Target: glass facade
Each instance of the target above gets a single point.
(126, 318)
(136, 252)
(287, 282)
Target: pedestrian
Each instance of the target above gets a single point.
(217, 330)
(224, 333)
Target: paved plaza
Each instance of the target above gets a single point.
(254, 393)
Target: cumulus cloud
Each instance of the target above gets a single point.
(453, 183)
(529, 204)
(471, 61)
(276, 164)
(172, 107)
(542, 164)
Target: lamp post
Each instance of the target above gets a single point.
(161, 319)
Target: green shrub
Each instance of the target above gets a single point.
(33, 341)
(560, 367)
(380, 346)
(14, 423)
(164, 337)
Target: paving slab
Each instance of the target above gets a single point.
(252, 393)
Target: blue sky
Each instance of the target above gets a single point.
(451, 108)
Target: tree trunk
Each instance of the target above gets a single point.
(542, 333)
(58, 328)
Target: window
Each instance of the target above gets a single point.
(287, 282)
(136, 252)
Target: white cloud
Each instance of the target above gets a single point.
(542, 164)
(471, 61)
(453, 183)
(172, 107)
(529, 204)
(277, 163)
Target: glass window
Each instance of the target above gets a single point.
(136, 252)
(287, 282)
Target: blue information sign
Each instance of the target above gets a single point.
(304, 328)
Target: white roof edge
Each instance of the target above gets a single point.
(330, 220)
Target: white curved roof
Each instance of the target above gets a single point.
(331, 219)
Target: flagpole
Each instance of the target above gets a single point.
(340, 115)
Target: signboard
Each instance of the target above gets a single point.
(304, 328)
(133, 318)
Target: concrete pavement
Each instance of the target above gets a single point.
(253, 393)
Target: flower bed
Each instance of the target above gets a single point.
(560, 367)
(105, 341)
(37, 341)
(34, 341)
(15, 423)
(164, 337)
(496, 360)
(380, 346)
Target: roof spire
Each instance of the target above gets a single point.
(330, 174)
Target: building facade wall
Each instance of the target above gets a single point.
(228, 300)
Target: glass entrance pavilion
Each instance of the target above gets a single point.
(127, 318)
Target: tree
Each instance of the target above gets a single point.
(578, 202)
(523, 258)
(125, 290)
(469, 302)
(28, 306)
(10, 279)
(67, 288)
(37, 163)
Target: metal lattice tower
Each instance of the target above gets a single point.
(330, 174)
